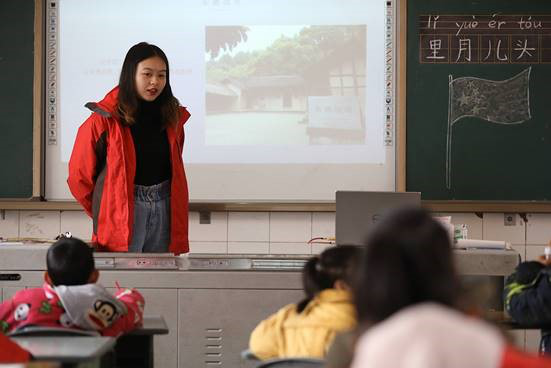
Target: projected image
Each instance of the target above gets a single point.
(285, 85)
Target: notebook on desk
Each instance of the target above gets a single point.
(357, 211)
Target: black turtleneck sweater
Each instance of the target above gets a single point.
(151, 145)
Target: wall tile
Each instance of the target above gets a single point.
(39, 224)
(208, 247)
(216, 231)
(290, 248)
(9, 224)
(518, 337)
(494, 229)
(249, 247)
(538, 228)
(249, 226)
(318, 248)
(521, 249)
(473, 222)
(290, 227)
(323, 224)
(534, 251)
(78, 223)
(533, 340)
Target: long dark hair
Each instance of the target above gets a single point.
(128, 99)
(321, 272)
(408, 260)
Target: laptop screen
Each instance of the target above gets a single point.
(357, 211)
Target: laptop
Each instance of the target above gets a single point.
(358, 211)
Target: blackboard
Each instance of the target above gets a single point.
(16, 98)
(497, 97)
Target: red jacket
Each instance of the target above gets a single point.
(45, 307)
(101, 177)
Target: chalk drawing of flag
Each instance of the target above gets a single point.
(500, 102)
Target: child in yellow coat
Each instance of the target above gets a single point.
(307, 329)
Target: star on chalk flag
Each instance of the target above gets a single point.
(500, 102)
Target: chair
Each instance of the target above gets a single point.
(105, 360)
(292, 363)
(50, 331)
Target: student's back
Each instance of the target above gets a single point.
(306, 329)
(408, 294)
(528, 297)
(429, 335)
(71, 298)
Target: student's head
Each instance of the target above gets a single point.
(145, 76)
(334, 268)
(70, 262)
(408, 260)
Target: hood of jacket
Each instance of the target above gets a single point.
(90, 306)
(430, 335)
(107, 106)
(331, 308)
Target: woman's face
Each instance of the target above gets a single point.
(150, 78)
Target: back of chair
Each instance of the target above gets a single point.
(51, 331)
(292, 362)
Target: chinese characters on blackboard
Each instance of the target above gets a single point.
(491, 39)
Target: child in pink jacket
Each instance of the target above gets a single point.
(71, 298)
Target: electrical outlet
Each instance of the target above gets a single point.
(204, 218)
(509, 219)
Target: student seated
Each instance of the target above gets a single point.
(71, 298)
(528, 297)
(10, 352)
(307, 329)
(408, 296)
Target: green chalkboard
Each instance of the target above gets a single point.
(16, 98)
(479, 100)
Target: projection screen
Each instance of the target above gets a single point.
(290, 100)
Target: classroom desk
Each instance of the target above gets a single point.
(152, 325)
(135, 349)
(66, 349)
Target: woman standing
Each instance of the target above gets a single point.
(126, 167)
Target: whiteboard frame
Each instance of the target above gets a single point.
(307, 203)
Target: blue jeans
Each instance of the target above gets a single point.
(151, 231)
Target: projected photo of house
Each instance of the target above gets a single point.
(285, 85)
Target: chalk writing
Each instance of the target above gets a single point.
(491, 38)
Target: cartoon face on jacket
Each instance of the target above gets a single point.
(103, 314)
(21, 312)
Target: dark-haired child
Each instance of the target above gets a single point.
(307, 329)
(71, 298)
(528, 297)
(408, 295)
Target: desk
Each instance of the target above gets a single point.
(135, 349)
(152, 325)
(66, 349)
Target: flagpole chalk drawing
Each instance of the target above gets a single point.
(500, 102)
